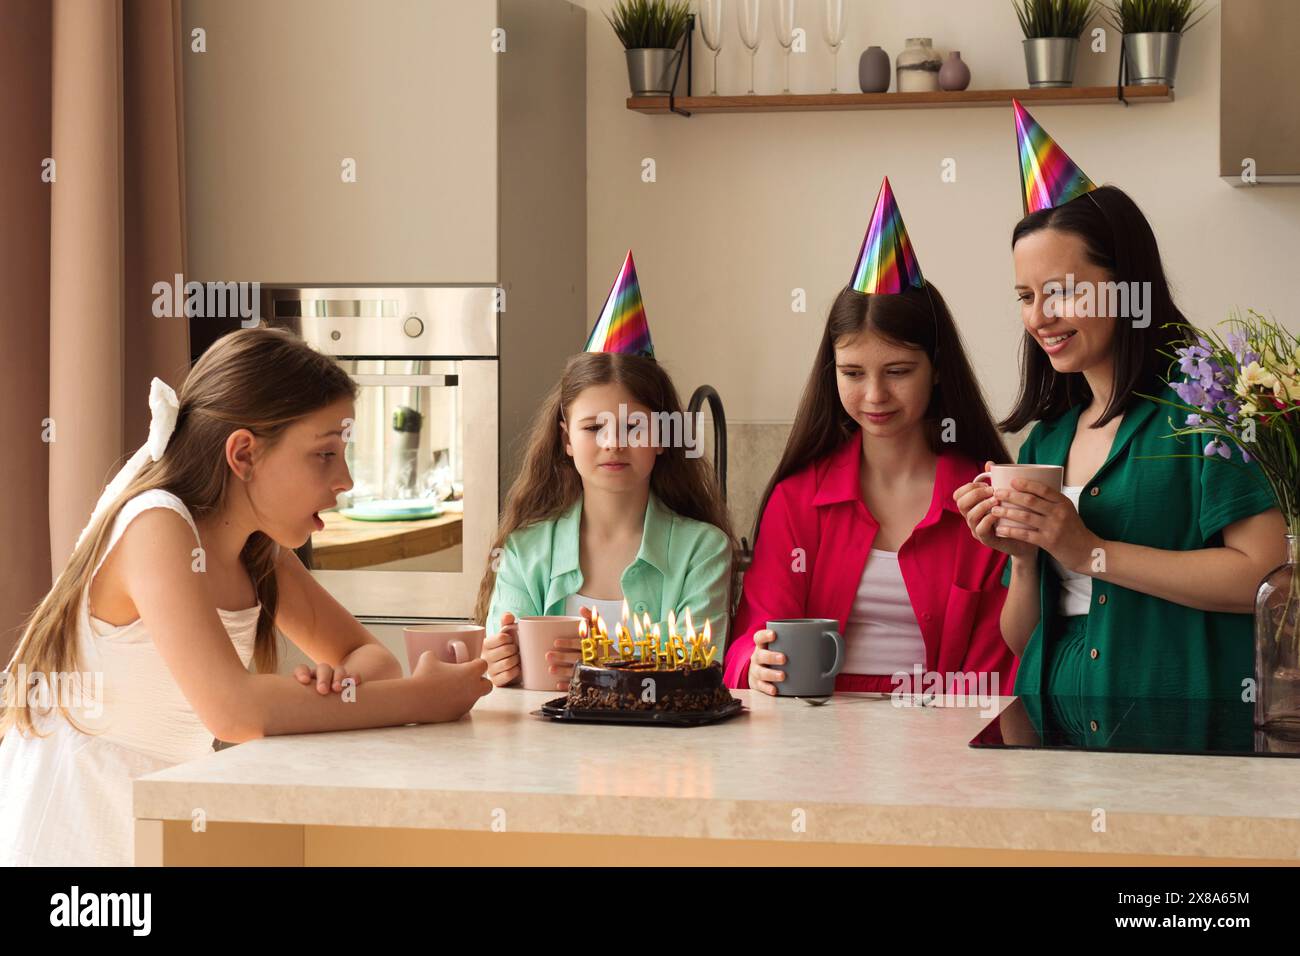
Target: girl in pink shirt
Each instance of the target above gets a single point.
(858, 523)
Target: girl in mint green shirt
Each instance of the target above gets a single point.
(614, 502)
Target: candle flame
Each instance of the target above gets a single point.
(690, 625)
(636, 626)
(708, 632)
(582, 628)
(672, 622)
(625, 610)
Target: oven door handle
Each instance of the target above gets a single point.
(385, 381)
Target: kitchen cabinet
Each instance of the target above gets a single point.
(1259, 86)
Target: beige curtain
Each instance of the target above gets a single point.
(94, 85)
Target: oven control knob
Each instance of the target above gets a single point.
(413, 327)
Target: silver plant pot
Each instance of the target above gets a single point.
(1049, 61)
(1152, 57)
(650, 72)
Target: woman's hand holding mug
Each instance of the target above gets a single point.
(763, 664)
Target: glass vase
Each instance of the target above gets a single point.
(1277, 648)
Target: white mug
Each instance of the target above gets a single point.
(1000, 476)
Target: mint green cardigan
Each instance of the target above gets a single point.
(681, 563)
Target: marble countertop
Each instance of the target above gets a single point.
(858, 770)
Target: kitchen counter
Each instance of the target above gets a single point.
(346, 544)
(856, 781)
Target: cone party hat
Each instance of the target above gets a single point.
(622, 325)
(886, 263)
(1048, 177)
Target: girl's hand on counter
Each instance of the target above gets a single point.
(977, 503)
(451, 690)
(762, 676)
(501, 651)
(568, 651)
(1054, 523)
(328, 679)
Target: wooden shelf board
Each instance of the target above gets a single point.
(817, 102)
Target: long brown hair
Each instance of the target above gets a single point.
(260, 379)
(916, 319)
(548, 484)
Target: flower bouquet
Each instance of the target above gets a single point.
(1242, 390)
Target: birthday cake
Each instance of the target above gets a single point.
(647, 671)
(644, 685)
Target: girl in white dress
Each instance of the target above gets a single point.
(139, 655)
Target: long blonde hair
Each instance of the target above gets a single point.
(260, 379)
(548, 484)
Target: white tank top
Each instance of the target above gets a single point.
(611, 611)
(1076, 589)
(881, 635)
(65, 798)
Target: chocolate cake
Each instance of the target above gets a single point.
(638, 685)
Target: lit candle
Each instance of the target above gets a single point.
(602, 641)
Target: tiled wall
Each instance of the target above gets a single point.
(753, 450)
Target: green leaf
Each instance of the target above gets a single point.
(1054, 18)
(650, 24)
(1155, 16)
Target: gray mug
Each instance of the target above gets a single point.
(814, 654)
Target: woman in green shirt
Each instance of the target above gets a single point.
(1138, 579)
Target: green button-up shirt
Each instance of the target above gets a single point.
(1139, 645)
(681, 563)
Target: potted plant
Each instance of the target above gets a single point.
(1052, 29)
(1153, 30)
(650, 31)
(1242, 391)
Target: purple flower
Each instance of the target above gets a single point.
(1217, 447)
(1193, 393)
(1193, 420)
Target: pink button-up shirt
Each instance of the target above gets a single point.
(813, 542)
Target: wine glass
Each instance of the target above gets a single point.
(750, 11)
(784, 16)
(833, 28)
(711, 29)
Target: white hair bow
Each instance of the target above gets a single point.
(163, 410)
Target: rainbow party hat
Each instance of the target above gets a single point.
(1049, 177)
(622, 325)
(886, 263)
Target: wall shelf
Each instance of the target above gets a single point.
(816, 102)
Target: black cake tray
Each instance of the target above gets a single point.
(556, 710)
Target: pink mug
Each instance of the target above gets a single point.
(537, 636)
(1001, 476)
(453, 643)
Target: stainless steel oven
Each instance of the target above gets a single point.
(411, 539)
